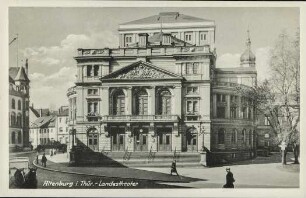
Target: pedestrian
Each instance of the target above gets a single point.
(229, 179)
(37, 161)
(44, 160)
(173, 168)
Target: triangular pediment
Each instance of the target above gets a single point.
(140, 71)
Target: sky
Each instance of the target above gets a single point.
(49, 38)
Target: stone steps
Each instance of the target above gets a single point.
(140, 159)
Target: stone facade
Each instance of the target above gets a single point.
(19, 107)
(161, 91)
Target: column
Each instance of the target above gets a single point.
(239, 107)
(176, 138)
(129, 101)
(152, 138)
(129, 140)
(153, 100)
(177, 104)
(228, 106)
(104, 108)
(214, 105)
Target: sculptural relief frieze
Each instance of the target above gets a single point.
(142, 72)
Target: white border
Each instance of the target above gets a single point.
(4, 191)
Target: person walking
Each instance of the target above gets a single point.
(173, 168)
(44, 160)
(229, 179)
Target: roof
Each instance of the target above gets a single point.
(18, 73)
(45, 121)
(167, 17)
(13, 72)
(11, 80)
(141, 70)
(34, 111)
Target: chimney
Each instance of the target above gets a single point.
(26, 67)
(143, 39)
(166, 39)
(40, 112)
(32, 105)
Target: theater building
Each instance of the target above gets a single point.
(161, 91)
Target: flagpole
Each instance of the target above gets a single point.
(17, 48)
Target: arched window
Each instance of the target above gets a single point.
(19, 137)
(234, 136)
(164, 107)
(244, 135)
(13, 103)
(19, 120)
(13, 138)
(221, 136)
(141, 103)
(118, 103)
(19, 105)
(13, 118)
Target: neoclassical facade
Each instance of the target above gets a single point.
(161, 91)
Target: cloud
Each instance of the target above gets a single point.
(229, 60)
(53, 69)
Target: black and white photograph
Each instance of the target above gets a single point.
(153, 97)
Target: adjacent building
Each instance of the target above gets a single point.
(49, 127)
(19, 86)
(161, 91)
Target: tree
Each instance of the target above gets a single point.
(278, 98)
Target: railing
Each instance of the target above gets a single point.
(140, 118)
(230, 84)
(144, 51)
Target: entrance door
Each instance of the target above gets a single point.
(93, 141)
(164, 139)
(192, 143)
(140, 141)
(118, 139)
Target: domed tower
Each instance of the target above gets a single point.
(247, 59)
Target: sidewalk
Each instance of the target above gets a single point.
(267, 175)
(57, 163)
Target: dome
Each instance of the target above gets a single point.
(247, 56)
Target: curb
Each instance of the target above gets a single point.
(88, 174)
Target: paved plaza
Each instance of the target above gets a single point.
(262, 172)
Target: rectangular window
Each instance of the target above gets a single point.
(220, 98)
(128, 40)
(192, 90)
(96, 70)
(189, 68)
(89, 70)
(195, 68)
(188, 37)
(167, 139)
(92, 91)
(233, 112)
(195, 106)
(220, 112)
